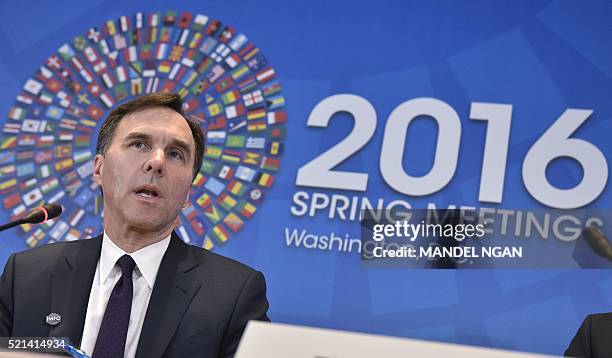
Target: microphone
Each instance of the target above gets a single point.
(598, 241)
(37, 215)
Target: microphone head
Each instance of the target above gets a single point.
(53, 210)
(43, 213)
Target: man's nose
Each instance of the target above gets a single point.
(156, 162)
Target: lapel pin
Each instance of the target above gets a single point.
(53, 319)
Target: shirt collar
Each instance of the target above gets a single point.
(147, 259)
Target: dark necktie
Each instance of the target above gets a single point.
(113, 330)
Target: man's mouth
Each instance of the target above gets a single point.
(148, 191)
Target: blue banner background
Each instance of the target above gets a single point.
(540, 56)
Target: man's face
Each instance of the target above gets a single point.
(146, 172)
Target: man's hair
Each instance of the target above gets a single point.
(169, 100)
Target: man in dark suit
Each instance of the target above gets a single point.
(136, 290)
(593, 338)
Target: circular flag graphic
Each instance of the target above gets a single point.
(48, 140)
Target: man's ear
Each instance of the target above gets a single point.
(98, 168)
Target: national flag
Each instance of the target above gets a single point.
(215, 73)
(236, 124)
(25, 169)
(264, 179)
(66, 52)
(86, 169)
(207, 244)
(219, 233)
(270, 163)
(256, 126)
(277, 117)
(204, 200)
(59, 230)
(235, 141)
(234, 111)
(212, 214)
(43, 171)
(226, 201)
(72, 235)
(252, 98)
(63, 165)
(7, 157)
(278, 133)
(251, 158)
(256, 113)
(94, 112)
(11, 128)
(255, 142)
(247, 85)
(16, 113)
(246, 209)
(226, 172)
(239, 72)
(199, 22)
(230, 97)
(43, 156)
(11, 201)
(8, 185)
(199, 180)
(27, 184)
(54, 112)
(224, 85)
(208, 167)
(233, 222)
(69, 124)
(275, 102)
(24, 155)
(82, 155)
(214, 186)
(195, 40)
(213, 110)
(231, 156)
(265, 75)
(245, 173)
(7, 171)
(33, 87)
(190, 211)
(212, 151)
(271, 89)
(237, 42)
(274, 148)
(49, 185)
(215, 137)
(198, 226)
(32, 197)
(62, 151)
(82, 141)
(184, 34)
(237, 188)
(8, 142)
(26, 140)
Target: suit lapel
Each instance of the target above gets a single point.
(173, 290)
(70, 287)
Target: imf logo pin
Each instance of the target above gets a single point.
(53, 319)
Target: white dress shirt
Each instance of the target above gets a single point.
(107, 274)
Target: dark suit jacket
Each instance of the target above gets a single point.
(593, 339)
(199, 306)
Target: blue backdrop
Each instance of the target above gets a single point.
(540, 57)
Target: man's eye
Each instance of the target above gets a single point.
(176, 154)
(139, 145)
